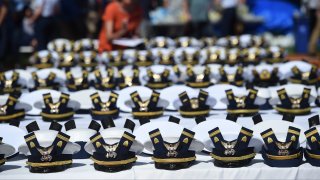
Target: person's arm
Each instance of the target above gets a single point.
(186, 10)
(118, 34)
(165, 3)
(138, 21)
(57, 8)
(217, 2)
(37, 12)
(3, 13)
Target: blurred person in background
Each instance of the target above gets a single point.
(314, 14)
(145, 27)
(3, 28)
(71, 19)
(229, 15)
(11, 14)
(121, 18)
(101, 7)
(28, 36)
(92, 18)
(178, 9)
(44, 12)
(198, 16)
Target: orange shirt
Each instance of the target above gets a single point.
(114, 13)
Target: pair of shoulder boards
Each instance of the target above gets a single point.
(234, 151)
(79, 82)
(87, 61)
(44, 82)
(51, 76)
(114, 156)
(198, 80)
(312, 154)
(9, 83)
(191, 73)
(70, 76)
(239, 101)
(15, 76)
(238, 71)
(201, 99)
(158, 81)
(168, 155)
(56, 110)
(195, 106)
(265, 74)
(105, 82)
(97, 139)
(135, 72)
(8, 111)
(148, 108)
(110, 72)
(283, 94)
(63, 98)
(310, 77)
(282, 151)
(235, 78)
(152, 102)
(242, 105)
(297, 71)
(105, 107)
(48, 157)
(244, 135)
(165, 73)
(166, 57)
(269, 137)
(294, 105)
(213, 58)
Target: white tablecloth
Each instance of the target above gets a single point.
(144, 168)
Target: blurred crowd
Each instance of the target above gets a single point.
(36, 22)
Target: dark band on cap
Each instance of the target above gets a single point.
(70, 125)
(107, 123)
(129, 124)
(314, 121)
(15, 122)
(33, 126)
(257, 119)
(55, 126)
(288, 117)
(143, 121)
(174, 119)
(94, 125)
(200, 119)
(232, 117)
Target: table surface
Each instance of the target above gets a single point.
(144, 167)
